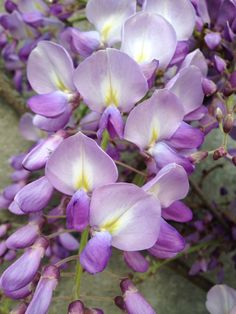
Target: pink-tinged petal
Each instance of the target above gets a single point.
(95, 256)
(50, 68)
(34, 196)
(220, 299)
(84, 43)
(180, 14)
(188, 87)
(38, 156)
(197, 59)
(134, 301)
(157, 40)
(186, 137)
(15, 209)
(136, 261)
(27, 129)
(68, 241)
(164, 154)
(49, 105)
(79, 163)
(110, 77)
(53, 124)
(154, 119)
(169, 185)
(177, 211)
(169, 242)
(77, 211)
(128, 213)
(108, 16)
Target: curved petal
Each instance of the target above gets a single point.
(169, 242)
(177, 211)
(169, 185)
(186, 137)
(110, 77)
(79, 163)
(154, 119)
(50, 68)
(197, 59)
(157, 40)
(53, 124)
(188, 87)
(130, 215)
(180, 14)
(108, 17)
(49, 105)
(220, 299)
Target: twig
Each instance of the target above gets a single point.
(213, 209)
(11, 96)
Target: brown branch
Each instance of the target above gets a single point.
(10, 95)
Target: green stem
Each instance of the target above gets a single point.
(79, 268)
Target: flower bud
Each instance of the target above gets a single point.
(24, 236)
(219, 115)
(220, 64)
(3, 229)
(208, 86)
(13, 278)
(136, 261)
(3, 248)
(228, 123)
(68, 241)
(134, 301)
(44, 290)
(219, 153)
(77, 307)
(38, 156)
(34, 196)
(212, 40)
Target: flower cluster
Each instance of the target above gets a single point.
(119, 113)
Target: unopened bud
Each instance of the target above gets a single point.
(228, 123)
(208, 86)
(218, 153)
(219, 114)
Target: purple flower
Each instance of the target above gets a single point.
(121, 215)
(136, 261)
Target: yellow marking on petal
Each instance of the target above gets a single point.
(60, 85)
(111, 226)
(106, 31)
(141, 57)
(83, 182)
(154, 136)
(111, 97)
